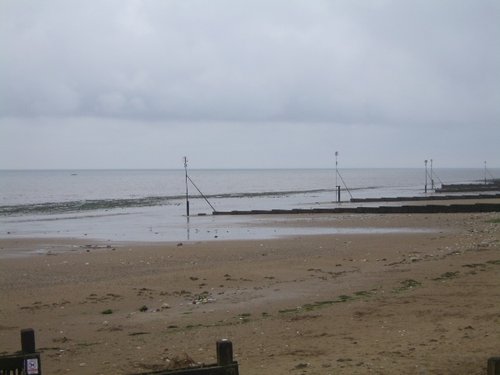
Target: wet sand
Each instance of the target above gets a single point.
(424, 302)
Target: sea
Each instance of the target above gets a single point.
(150, 205)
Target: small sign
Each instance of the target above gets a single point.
(32, 366)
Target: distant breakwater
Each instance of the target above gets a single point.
(417, 209)
(425, 198)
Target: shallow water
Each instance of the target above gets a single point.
(150, 205)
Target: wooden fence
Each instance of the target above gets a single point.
(27, 361)
(24, 362)
(225, 364)
(494, 366)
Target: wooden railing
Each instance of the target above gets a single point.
(225, 364)
(24, 362)
(27, 361)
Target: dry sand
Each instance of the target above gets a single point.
(405, 303)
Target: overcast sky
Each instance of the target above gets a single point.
(249, 84)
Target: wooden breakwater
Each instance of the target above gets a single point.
(426, 198)
(493, 185)
(406, 209)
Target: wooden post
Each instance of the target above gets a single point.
(224, 352)
(494, 366)
(28, 340)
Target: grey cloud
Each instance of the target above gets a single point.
(363, 62)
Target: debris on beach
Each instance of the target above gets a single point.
(202, 298)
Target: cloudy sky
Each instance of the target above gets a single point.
(249, 84)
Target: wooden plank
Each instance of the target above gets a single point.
(230, 369)
(225, 364)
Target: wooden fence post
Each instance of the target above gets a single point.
(494, 366)
(224, 352)
(28, 340)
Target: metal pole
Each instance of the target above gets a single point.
(432, 177)
(337, 186)
(425, 188)
(485, 172)
(187, 191)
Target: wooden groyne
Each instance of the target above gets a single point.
(424, 198)
(406, 209)
(493, 185)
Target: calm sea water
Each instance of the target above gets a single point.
(150, 204)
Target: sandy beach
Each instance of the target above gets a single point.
(420, 301)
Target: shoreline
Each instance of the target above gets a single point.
(158, 224)
(398, 303)
(245, 228)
